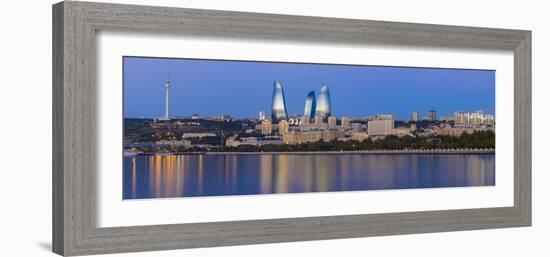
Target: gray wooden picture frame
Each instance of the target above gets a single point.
(75, 25)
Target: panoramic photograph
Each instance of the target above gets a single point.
(201, 127)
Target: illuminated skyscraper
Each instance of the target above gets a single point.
(278, 104)
(323, 103)
(309, 109)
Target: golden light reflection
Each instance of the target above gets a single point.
(151, 172)
(198, 175)
(201, 175)
(477, 169)
(134, 177)
(344, 166)
(234, 172)
(282, 176)
(302, 179)
(169, 178)
(266, 173)
(225, 172)
(158, 175)
(322, 173)
(182, 170)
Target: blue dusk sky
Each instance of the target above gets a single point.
(243, 88)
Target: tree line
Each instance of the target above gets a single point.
(477, 139)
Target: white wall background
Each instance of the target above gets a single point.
(25, 127)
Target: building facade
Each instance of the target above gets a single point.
(447, 118)
(475, 119)
(356, 127)
(302, 137)
(283, 127)
(345, 122)
(332, 122)
(309, 109)
(278, 104)
(323, 107)
(306, 120)
(415, 116)
(380, 127)
(432, 115)
(461, 118)
(267, 127)
(489, 120)
(359, 136)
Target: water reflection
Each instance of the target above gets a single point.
(207, 175)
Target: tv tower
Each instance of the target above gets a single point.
(167, 88)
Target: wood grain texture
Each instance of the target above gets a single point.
(57, 132)
(75, 25)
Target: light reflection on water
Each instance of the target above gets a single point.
(209, 175)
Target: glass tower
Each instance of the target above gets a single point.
(309, 109)
(323, 103)
(278, 104)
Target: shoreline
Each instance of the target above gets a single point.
(408, 151)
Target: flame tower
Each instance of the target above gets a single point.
(309, 109)
(278, 104)
(323, 103)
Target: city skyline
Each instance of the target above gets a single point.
(212, 87)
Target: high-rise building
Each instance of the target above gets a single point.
(266, 127)
(476, 118)
(323, 103)
(416, 116)
(283, 127)
(261, 115)
(345, 122)
(309, 109)
(489, 120)
(461, 118)
(278, 104)
(432, 116)
(332, 122)
(380, 127)
(473, 119)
